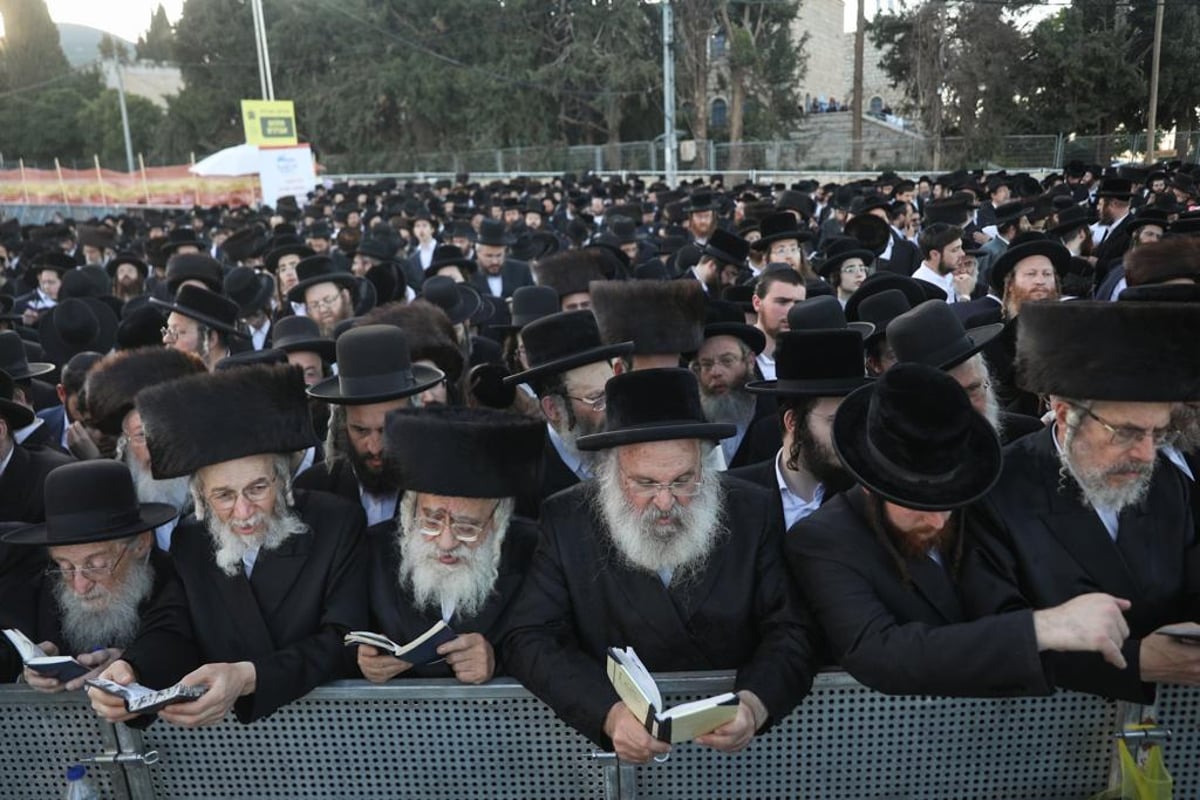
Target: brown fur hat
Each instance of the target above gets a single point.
(114, 382)
(1162, 261)
(659, 317)
(571, 271)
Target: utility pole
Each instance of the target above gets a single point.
(1152, 117)
(669, 145)
(856, 106)
(266, 85)
(116, 65)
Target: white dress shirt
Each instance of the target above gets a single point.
(570, 459)
(943, 282)
(795, 507)
(379, 507)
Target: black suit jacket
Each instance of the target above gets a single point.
(904, 636)
(1112, 250)
(579, 599)
(51, 429)
(513, 273)
(391, 605)
(556, 475)
(289, 617)
(905, 257)
(1038, 546)
(338, 478)
(21, 498)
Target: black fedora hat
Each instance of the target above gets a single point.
(479, 452)
(126, 258)
(563, 341)
(1072, 218)
(870, 231)
(55, 260)
(726, 248)
(815, 363)
(141, 325)
(318, 269)
(932, 334)
(194, 267)
(179, 237)
(14, 361)
(777, 227)
(377, 248)
(1116, 188)
(17, 415)
(250, 358)
(881, 282)
(91, 501)
(653, 405)
(701, 200)
(208, 308)
(840, 250)
(824, 313)
(913, 438)
(246, 244)
(459, 301)
(1150, 216)
(285, 245)
(75, 325)
(251, 290)
(880, 309)
(448, 255)
(530, 303)
(723, 318)
(296, 334)
(1009, 213)
(1026, 246)
(493, 233)
(87, 281)
(374, 365)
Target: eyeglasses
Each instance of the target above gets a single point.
(225, 499)
(92, 571)
(463, 531)
(325, 303)
(172, 335)
(649, 489)
(854, 269)
(1127, 436)
(134, 438)
(595, 403)
(726, 361)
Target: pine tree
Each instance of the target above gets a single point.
(158, 43)
(32, 51)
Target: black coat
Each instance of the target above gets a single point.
(513, 274)
(556, 475)
(1112, 250)
(905, 258)
(1038, 545)
(21, 498)
(904, 636)
(290, 616)
(579, 599)
(391, 606)
(163, 651)
(338, 478)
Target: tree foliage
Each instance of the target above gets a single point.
(157, 44)
(32, 52)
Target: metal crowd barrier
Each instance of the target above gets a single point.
(441, 739)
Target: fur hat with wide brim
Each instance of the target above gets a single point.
(256, 410)
(653, 405)
(114, 382)
(466, 452)
(659, 317)
(1093, 350)
(570, 272)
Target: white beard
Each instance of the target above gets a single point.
(103, 617)
(172, 491)
(230, 547)
(1093, 482)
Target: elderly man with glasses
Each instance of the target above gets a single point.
(455, 552)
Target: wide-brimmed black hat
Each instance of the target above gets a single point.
(476, 452)
(374, 365)
(726, 248)
(55, 260)
(880, 309)
(285, 245)
(250, 358)
(530, 303)
(561, 342)
(208, 308)
(126, 258)
(245, 244)
(1150, 216)
(816, 363)
(75, 325)
(18, 415)
(701, 200)
(377, 248)
(319, 269)
(1011, 212)
(15, 362)
(1070, 219)
(296, 334)
(1056, 251)
(823, 313)
(881, 282)
(91, 501)
(492, 232)
(777, 227)
(1116, 188)
(448, 255)
(871, 232)
(913, 438)
(932, 334)
(194, 267)
(653, 405)
(837, 252)
(257, 410)
(1124, 351)
(251, 290)
(178, 237)
(460, 301)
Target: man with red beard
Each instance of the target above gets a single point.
(665, 555)
(128, 274)
(455, 552)
(376, 375)
(880, 564)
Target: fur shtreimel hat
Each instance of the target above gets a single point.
(1166, 260)
(1092, 350)
(659, 317)
(114, 382)
(570, 272)
(256, 410)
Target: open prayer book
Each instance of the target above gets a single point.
(144, 700)
(640, 693)
(421, 650)
(61, 668)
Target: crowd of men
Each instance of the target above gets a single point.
(941, 432)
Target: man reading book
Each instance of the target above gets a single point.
(107, 593)
(455, 552)
(663, 555)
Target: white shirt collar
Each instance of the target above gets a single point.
(1171, 453)
(572, 460)
(21, 434)
(379, 507)
(795, 507)
(248, 560)
(943, 282)
(7, 458)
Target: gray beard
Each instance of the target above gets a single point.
(570, 438)
(172, 491)
(230, 547)
(683, 546)
(992, 412)
(1093, 484)
(111, 618)
(464, 586)
(735, 406)
(1187, 421)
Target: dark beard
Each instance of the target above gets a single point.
(379, 481)
(918, 543)
(820, 461)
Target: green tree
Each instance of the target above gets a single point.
(101, 118)
(113, 49)
(158, 43)
(32, 51)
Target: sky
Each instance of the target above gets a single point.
(126, 18)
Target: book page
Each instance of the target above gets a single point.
(638, 672)
(704, 717)
(24, 645)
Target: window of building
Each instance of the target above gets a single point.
(716, 45)
(876, 105)
(719, 116)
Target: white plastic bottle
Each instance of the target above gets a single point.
(78, 786)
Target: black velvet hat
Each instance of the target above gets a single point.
(448, 255)
(251, 290)
(870, 231)
(257, 410)
(1070, 219)
(114, 382)
(932, 334)
(193, 267)
(1125, 351)
(208, 308)
(723, 318)
(374, 365)
(466, 452)
(493, 233)
(880, 309)
(913, 438)
(91, 501)
(659, 317)
(530, 303)
(319, 269)
(837, 252)
(178, 237)
(815, 363)
(285, 245)
(570, 272)
(127, 258)
(561, 342)
(297, 334)
(824, 313)
(653, 405)
(881, 282)
(459, 301)
(250, 358)
(1028, 245)
(75, 325)
(726, 248)
(14, 361)
(17, 415)
(777, 227)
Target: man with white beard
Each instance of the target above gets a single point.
(665, 555)
(1085, 505)
(274, 579)
(107, 594)
(724, 364)
(109, 393)
(568, 366)
(455, 552)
